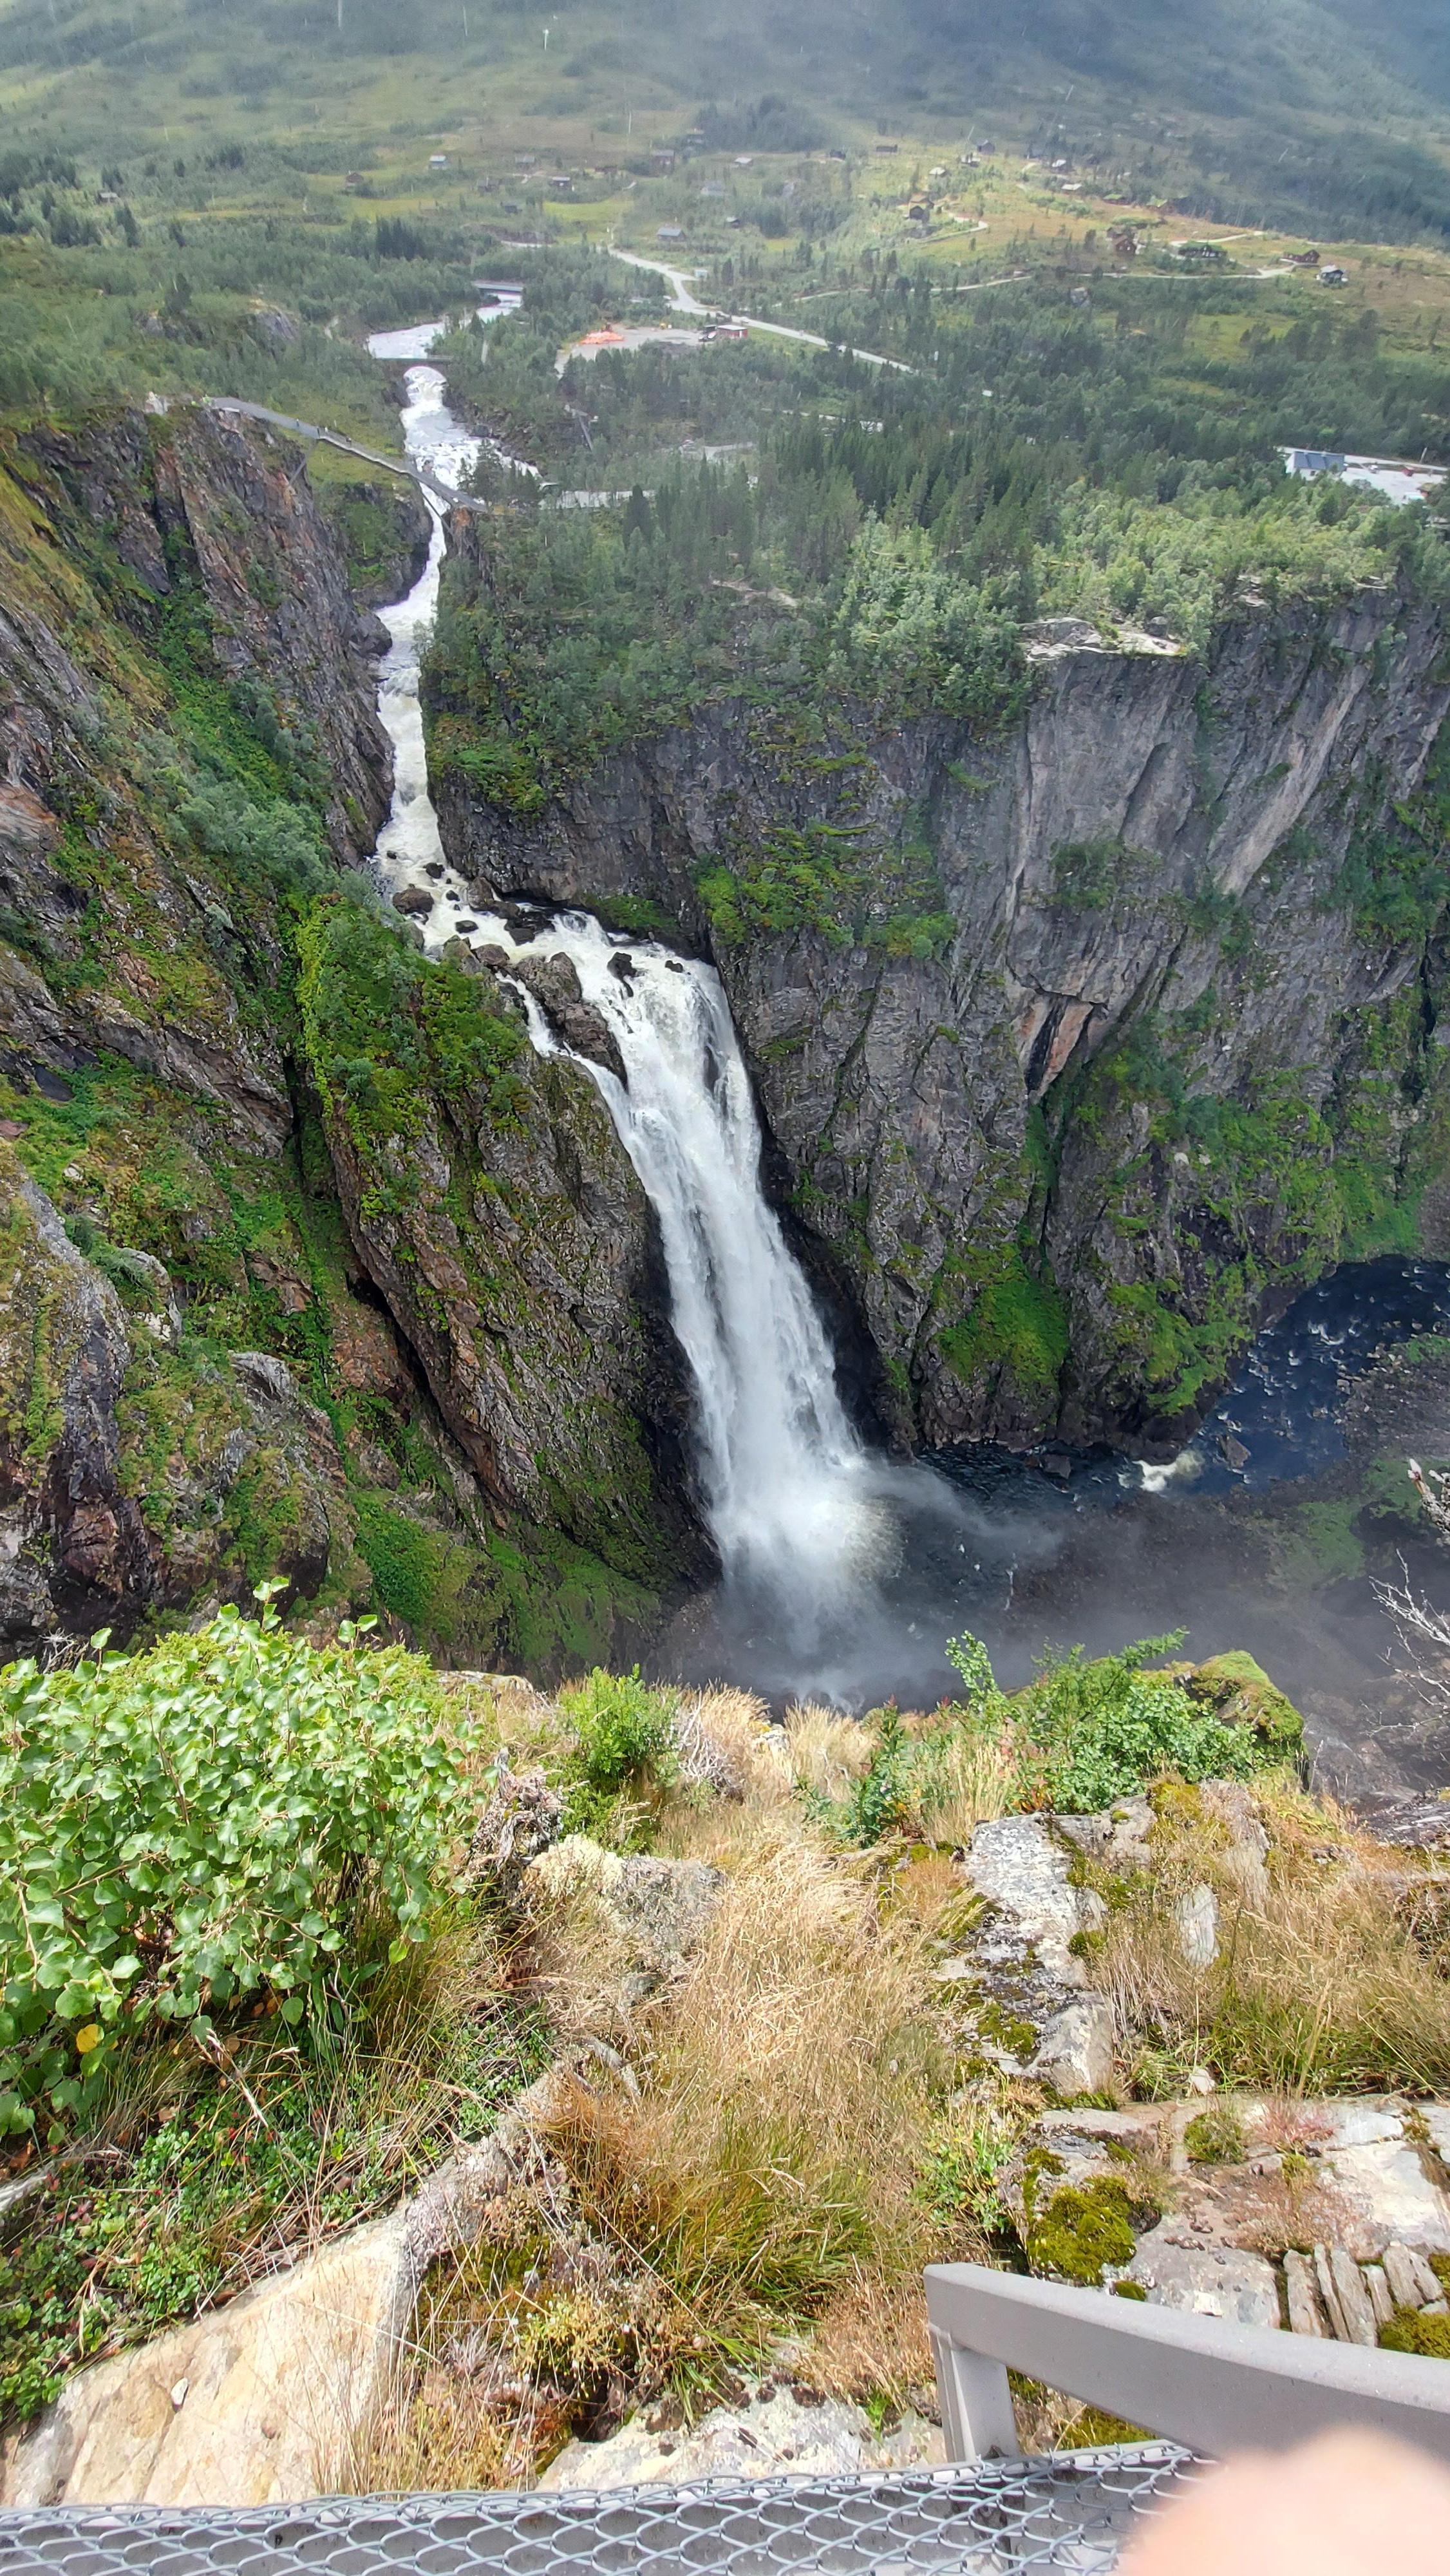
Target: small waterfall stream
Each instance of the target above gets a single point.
(796, 1505)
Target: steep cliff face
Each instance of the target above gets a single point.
(1101, 1034)
(427, 1378)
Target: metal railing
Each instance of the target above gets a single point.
(1069, 2514)
(1201, 2381)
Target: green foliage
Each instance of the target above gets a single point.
(273, 841)
(1113, 557)
(836, 879)
(1088, 875)
(1216, 2137)
(198, 2173)
(1084, 1733)
(965, 2152)
(623, 1745)
(386, 1028)
(885, 1797)
(1017, 1322)
(215, 1818)
(909, 634)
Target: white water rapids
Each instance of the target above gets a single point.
(799, 1511)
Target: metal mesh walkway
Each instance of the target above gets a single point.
(1071, 2510)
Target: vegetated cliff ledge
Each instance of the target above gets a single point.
(307, 1266)
(1083, 1044)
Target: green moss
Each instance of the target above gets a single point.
(1240, 1693)
(837, 879)
(1018, 1323)
(1129, 2290)
(1317, 1543)
(1083, 2230)
(1408, 2331)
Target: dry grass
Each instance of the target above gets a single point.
(724, 1739)
(972, 1777)
(766, 2172)
(826, 1752)
(1331, 1968)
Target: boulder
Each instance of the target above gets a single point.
(1118, 1836)
(268, 2399)
(554, 983)
(519, 1821)
(775, 2433)
(657, 1910)
(1196, 1919)
(1075, 2053)
(1206, 2280)
(1023, 1984)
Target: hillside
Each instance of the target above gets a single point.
(1313, 111)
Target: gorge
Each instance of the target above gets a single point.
(852, 1562)
(375, 1294)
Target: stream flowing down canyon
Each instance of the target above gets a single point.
(844, 1568)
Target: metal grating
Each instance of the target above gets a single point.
(1067, 2510)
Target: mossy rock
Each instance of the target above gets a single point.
(1240, 1693)
(1216, 2137)
(1085, 2229)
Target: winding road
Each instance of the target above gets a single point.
(684, 302)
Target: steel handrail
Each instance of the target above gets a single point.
(1202, 2381)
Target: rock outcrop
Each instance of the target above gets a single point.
(1021, 1984)
(133, 1474)
(1139, 1052)
(1211, 2211)
(774, 2433)
(274, 2396)
(190, 756)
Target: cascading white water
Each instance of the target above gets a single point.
(789, 1491)
(795, 1504)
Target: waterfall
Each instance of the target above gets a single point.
(794, 1502)
(788, 1490)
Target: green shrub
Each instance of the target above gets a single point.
(232, 1812)
(622, 1746)
(1084, 1733)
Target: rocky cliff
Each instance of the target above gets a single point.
(1081, 1045)
(247, 1325)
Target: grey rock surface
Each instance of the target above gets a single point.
(898, 1090)
(775, 2433)
(1206, 2280)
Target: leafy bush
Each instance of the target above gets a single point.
(1088, 1732)
(623, 1744)
(231, 1813)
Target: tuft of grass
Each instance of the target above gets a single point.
(1329, 1977)
(762, 2167)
